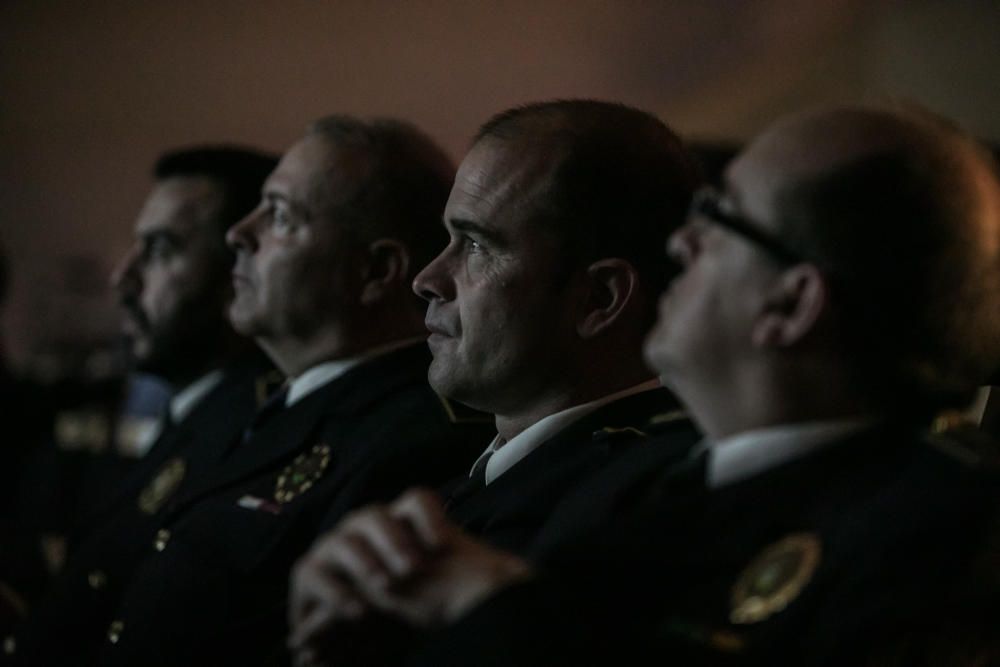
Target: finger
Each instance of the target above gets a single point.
(318, 602)
(422, 509)
(311, 630)
(347, 551)
(392, 541)
(306, 586)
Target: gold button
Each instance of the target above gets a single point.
(97, 580)
(9, 645)
(162, 537)
(115, 631)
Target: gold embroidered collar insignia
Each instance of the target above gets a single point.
(299, 476)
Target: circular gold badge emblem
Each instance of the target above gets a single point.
(774, 578)
(163, 486)
(299, 476)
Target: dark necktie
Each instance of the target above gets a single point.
(474, 484)
(274, 404)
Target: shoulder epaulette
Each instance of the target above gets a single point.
(463, 414)
(618, 433)
(652, 426)
(660, 422)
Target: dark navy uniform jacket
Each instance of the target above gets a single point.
(212, 588)
(68, 624)
(871, 547)
(509, 512)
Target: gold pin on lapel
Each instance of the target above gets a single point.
(299, 476)
(158, 491)
(775, 578)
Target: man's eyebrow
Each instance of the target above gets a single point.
(148, 235)
(275, 196)
(462, 225)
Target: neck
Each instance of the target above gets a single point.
(776, 400)
(294, 356)
(510, 423)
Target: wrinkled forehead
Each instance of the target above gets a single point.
(319, 172)
(501, 179)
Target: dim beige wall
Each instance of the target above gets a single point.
(91, 92)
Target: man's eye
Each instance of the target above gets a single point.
(281, 221)
(472, 245)
(158, 248)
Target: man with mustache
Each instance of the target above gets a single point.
(174, 286)
(838, 293)
(322, 283)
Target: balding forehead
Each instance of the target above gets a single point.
(811, 144)
(321, 172)
(511, 173)
(816, 141)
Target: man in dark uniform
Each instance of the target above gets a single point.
(174, 284)
(838, 293)
(540, 302)
(322, 280)
(539, 305)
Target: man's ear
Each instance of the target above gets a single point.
(792, 307)
(611, 287)
(387, 265)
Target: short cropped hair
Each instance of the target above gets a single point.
(915, 283)
(405, 188)
(621, 185)
(239, 172)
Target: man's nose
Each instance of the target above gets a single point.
(434, 280)
(243, 235)
(125, 277)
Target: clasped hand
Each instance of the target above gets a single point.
(405, 559)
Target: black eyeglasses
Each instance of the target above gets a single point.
(706, 205)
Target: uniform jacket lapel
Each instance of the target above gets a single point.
(201, 438)
(526, 493)
(292, 430)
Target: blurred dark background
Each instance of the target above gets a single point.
(90, 93)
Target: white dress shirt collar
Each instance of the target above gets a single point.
(751, 453)
(183, 402)
(503, 456)
(136, 435)
(324, 373)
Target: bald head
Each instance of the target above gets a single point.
(603, 178)
(902, 213)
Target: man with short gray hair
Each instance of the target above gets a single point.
(321, 279)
